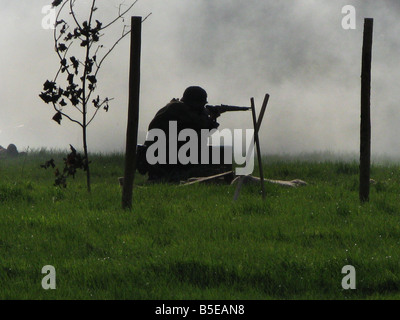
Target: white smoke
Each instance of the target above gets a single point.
(295, 50)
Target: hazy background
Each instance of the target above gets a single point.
(295, 50)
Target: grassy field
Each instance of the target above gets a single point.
(194, 242)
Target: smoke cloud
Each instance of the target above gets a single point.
(296, 51)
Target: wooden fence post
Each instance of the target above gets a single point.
(133, 112)
(365, 127)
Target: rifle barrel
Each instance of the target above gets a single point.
(224, 108)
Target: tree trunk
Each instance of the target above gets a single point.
(85, 150)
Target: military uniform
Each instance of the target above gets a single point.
(189, 113)
(186, 117)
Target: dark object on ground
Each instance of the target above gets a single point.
(175, 173)
(72, 162)
(11, 151)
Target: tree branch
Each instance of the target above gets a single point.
(91, 13)
(146, 17)
(119, 15)
(104, 57)
(71, 4)
(65, 115)
(55, 30)
(97, 109)
(109, 51)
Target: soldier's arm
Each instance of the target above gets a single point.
(193, 120)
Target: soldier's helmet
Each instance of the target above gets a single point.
(194, 94)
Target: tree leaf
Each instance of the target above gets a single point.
(96, 102)
(49, 86)
(56, 3)
(62, 47)
(92, 79)
(74, 100)
(70, 78)
(57, 117)
(49, 163)
(45, 97)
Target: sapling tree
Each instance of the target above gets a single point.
(81, 55)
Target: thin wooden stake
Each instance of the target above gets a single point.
(257, 143)
(261, 116)
(365, 127)
(257, 128)
(209, 178)
(133, 112)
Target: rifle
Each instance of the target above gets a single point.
(217, 110)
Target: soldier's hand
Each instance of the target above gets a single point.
(214, 114)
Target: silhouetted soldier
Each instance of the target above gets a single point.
(189, 113)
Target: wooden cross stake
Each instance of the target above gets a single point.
(256, 125)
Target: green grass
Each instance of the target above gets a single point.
(194, 242)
